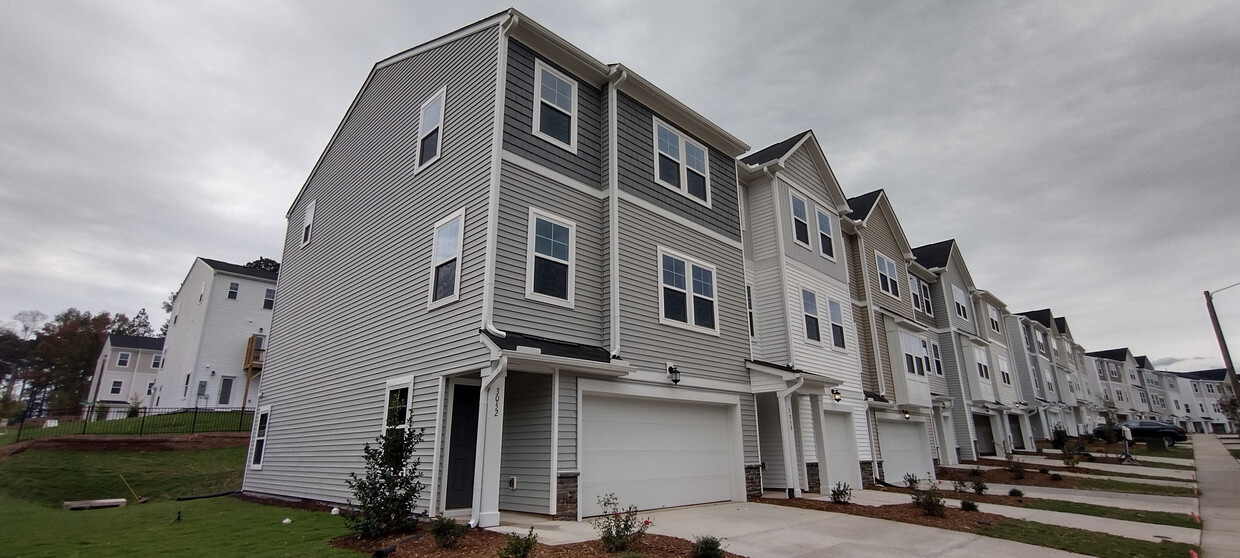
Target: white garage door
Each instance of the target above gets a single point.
(654, 453)
(841, 462)
(905, 449)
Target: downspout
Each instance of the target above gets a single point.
(783, 274)
(613, 207)
(497, 145)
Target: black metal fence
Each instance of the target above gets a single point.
(127, 421)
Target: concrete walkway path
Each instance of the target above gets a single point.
(1218, 475)
(1148, 502)
(1133, 480)
(1177, 474)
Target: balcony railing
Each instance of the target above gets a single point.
(254, 353)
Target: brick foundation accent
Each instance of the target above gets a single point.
(753, 481)
(936, 463)
(815, 483)
(867, 474)
(566, 496)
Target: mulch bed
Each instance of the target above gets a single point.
(956, 519)
(1003, 476)
(480, 543)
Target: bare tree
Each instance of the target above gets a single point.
(31, 321)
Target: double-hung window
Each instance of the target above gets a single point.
(837, 323)
(116, 387)
(157, 361)
(800, 221)
(887, 275)
(749, 307)
(260, 437)
(680, 163)
(826, 244)
(914, 354)
(397, 414)
(1209, 388)
(983, 363)
(920, 291)
(809, 307)
(233, 289)
(307, 223)
(1003, 371)
(269, 299)
(430, 129)
(994, 318)
(122, 360)
(555, 107)
(962, 302)
(446, 259)
(1041, 336)
(549, 265)
(687, 293)
(938, 359)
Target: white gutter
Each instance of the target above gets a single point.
(613, 206)
(497, 145)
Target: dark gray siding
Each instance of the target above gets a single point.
(520, 190)
(519, 117)
(352, 311)
(635, 151)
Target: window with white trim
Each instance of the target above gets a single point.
(914, 354)
(269, 299)
(430, 130)
(1209, 388)
(233, 289)
(396, 412)
(116, 387)
(687, 293)
(925, 349)
(150, 388)
(962, 302)
(1195, 388)
(920, 291)
(202, 291)
(1041, 336)
(681, 163)
(887, 275)
(446, 259)
(1050, 381)
(549, 269)
(1144, 399)
(983, 363)
(1102, 375)
(555, 106)
(1003, 371)
(938, 359)
(836, 313)
(809, 307)
(307, 223)
(260, 437)
(826, 242)
(157, 361)
(122, 359)
(994, 318)
(749, 307)
(800, 220)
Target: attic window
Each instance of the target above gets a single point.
(555, 108)
(430, 129)
(307, 223)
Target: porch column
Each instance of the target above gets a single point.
(798, 432)
(820, 441)
(490, 439)
(791, 469)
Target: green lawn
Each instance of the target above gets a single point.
(1134, 488)
(171, 423)
(1143, 516)
(1084, 542)
(1235, 453)
(35, 482)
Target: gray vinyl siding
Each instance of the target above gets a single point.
(368, 263)
(749, 427)
(954, 367)
(770, 323)
(773, 476)
(635, 151)
(567, 449)
(519, 117)
(649, 344)
(806, 183)
(521, 189)
(526, 451)
(952, 276)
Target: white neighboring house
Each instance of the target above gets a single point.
(124, 375)
(216, 336)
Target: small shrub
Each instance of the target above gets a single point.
(930, 502)
(1044, 471)
(517, 546)
(959, 485)
(911, 481)
(841, 493)
(979, 486)
(447, 532)
(1016, 492)
(975, 472)
(387, 492)
(618, 529)
(1059, 436)
(1056, 477)
(1070, 460)
(968, 505)
(1016, 468)
(706, 547)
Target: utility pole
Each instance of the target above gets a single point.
(1222, 343)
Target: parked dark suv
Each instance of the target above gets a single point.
(1148, 429)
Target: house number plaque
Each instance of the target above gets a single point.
(497, 401)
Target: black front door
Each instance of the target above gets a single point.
(462, 447)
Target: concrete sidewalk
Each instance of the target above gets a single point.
(769, 531)
(1133, 480)
(1148, 502)
(1218, 475)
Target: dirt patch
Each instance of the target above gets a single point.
(205, 440)
(479, 543)
(291, 503)
(955, 519)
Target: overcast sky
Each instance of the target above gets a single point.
(1083, 154)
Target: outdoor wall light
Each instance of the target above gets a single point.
(673, 373)
(906, 415)
(835, 394)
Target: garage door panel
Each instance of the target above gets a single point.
(905, 449)
(654, 453)
(841, 442)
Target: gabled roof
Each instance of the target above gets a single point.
(934, 255)
(1143, 362)
(1042, 316)
(1215, 375)
(240, 270)
(1061, 324)
(863, 204)
(1120, 354)
(136, 342)
(773, 152)
(863, 208)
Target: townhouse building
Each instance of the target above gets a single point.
(896, 349)
(1203, 399)
(542, 264)
(213, 351)
(1117, 373)
(812, 421)
(124, 375)
(1029, 340)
